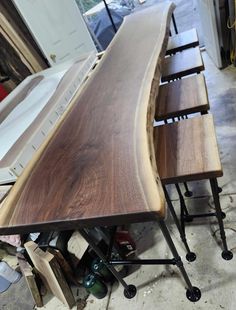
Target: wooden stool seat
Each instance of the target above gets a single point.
(187, 150)
(182, 41)
(182, 97)
(182, 64)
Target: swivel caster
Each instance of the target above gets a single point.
(227, 255)
(130, 292)
(191, 257)
(220, 190)
(193, 295)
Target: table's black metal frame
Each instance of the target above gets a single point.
(193, 293)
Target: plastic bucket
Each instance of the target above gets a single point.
(4, 284)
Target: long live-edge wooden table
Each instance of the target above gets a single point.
(99, 168)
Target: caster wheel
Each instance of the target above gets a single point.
(193, 295)
(130, 292)
(188, 194)
(227, 255)
(191, 257)
(223, 215)
(220, 190)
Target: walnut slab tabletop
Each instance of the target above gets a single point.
(99, 168)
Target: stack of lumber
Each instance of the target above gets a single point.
(19, 54)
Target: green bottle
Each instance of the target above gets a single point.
(95, 286)
(98, 267)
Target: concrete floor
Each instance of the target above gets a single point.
(162, 287)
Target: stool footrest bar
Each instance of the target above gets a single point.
(192, 216)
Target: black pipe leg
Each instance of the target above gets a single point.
(220, 191)
(183, 207)
(226, 254)
(129, 290)
(219, 188)
(193, 293)
(182, 220)
(188, 193)
(190, 256)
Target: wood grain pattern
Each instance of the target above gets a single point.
(187, 150)
(65, 266)
(27, 272)
(182, 64)
(182, 41)
(50, 271)
(100, 167)
(182, 97)
(77, 245)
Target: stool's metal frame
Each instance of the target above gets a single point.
(190, 256)
(186, 217)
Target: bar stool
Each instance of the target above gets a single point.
(182, 41)
(181, 64)
(181, 98)
(176, 147)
